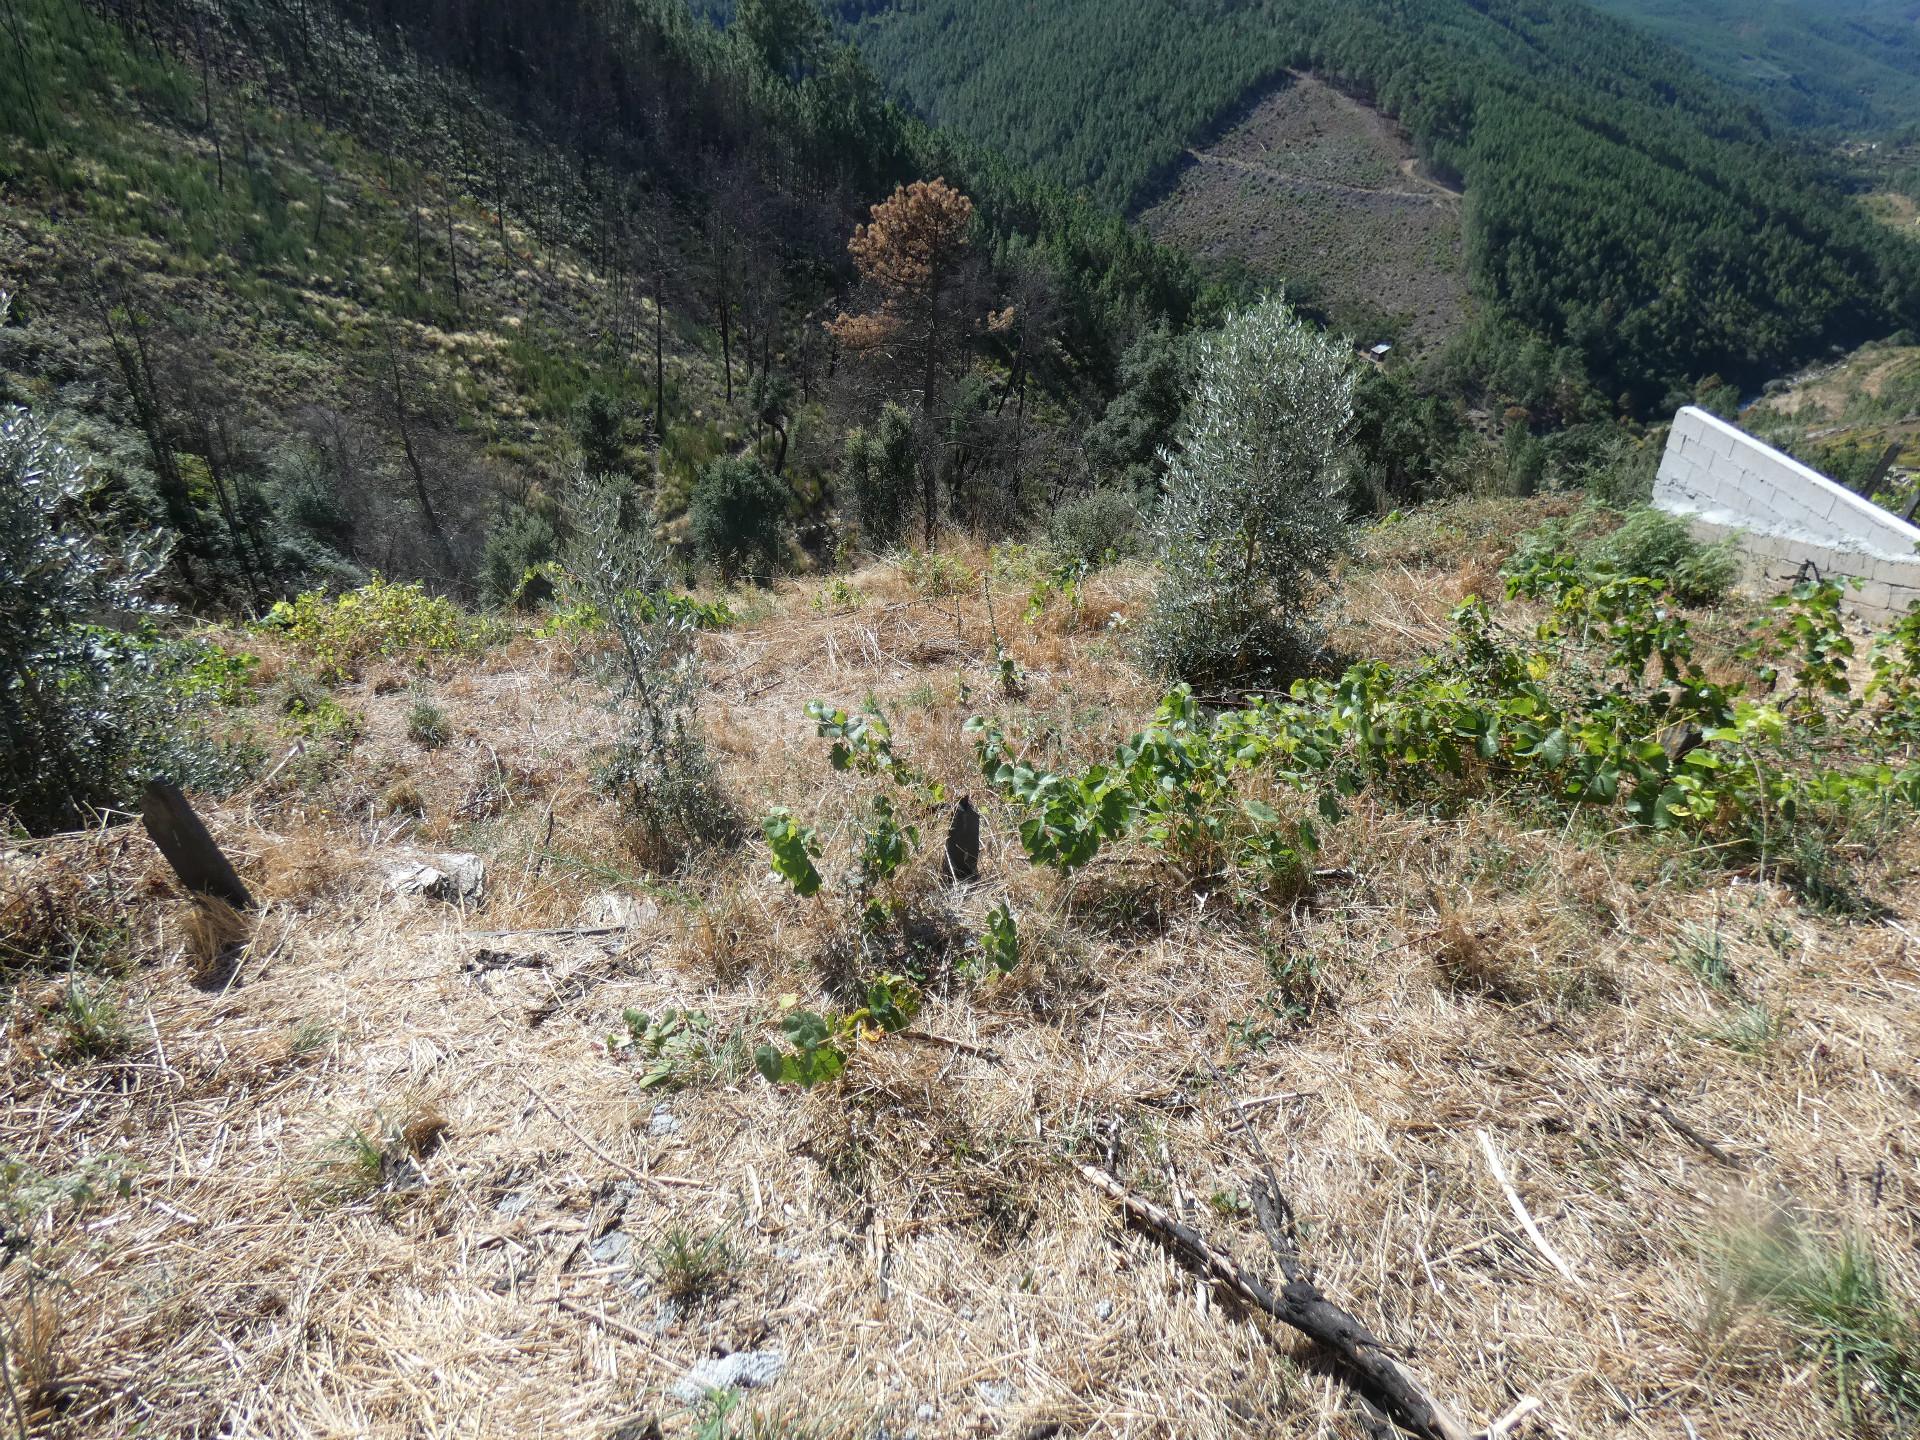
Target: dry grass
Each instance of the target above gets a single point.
(911, 1239)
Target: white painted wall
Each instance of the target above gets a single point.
(1784, 513)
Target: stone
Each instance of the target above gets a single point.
(614, 911)
(452, 878)
(662, 1123)
(963, 843)
(742, 1370)
(611, 1247)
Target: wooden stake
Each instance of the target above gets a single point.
(189, 849)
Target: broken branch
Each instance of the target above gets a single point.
(1300, 1304)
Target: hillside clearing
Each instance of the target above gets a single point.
(1320, 191)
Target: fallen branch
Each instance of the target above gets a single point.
(1509, 1422)
(1521, 1213)
(1300, 1304)
(1690, 1132)
(618, 1327)
(965, 1047)
(563, 931)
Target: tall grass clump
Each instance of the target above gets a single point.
(1833, 1299)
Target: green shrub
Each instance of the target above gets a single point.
(1255, 510)
(89, 707)
(877, 477)
(1095, 529)
(738, 517)
(381, 619)
(1659, 546)
(659, 766)
(511, 565)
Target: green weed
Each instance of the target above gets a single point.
(91, 1023)
(1703, 954)
(1834, 1301)
(427, 725)
(690, 1266)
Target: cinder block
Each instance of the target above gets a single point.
(1874, 594)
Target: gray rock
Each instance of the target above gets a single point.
(614, 910)
(925, 1412)
(663, 1122)
(1104, 1310)
(995, 1393)
(451, 878)
(611, 1246)
(742, 1370)
(514, 1202)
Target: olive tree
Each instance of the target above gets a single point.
(76, 722)
(660, 768)
(1254, 511)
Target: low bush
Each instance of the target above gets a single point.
(877, 477)
(659, 767)
(1646, 544)
(381, 620)
(1658, 546)
(738, 518)
(1096, 529)
(1607, 707)
(310, 711)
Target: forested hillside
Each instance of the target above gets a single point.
(1621, 204)
(1843, 66)
(321, 290)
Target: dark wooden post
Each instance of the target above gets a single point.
(963, 842)
(187, 845)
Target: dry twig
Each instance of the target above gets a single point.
(1300, 1304)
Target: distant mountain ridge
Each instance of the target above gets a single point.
(1644, 220)
(1826, 65)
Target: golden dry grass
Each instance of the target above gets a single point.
(911, 1238)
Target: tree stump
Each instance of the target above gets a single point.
(189, 849)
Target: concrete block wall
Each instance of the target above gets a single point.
(1784, 514)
